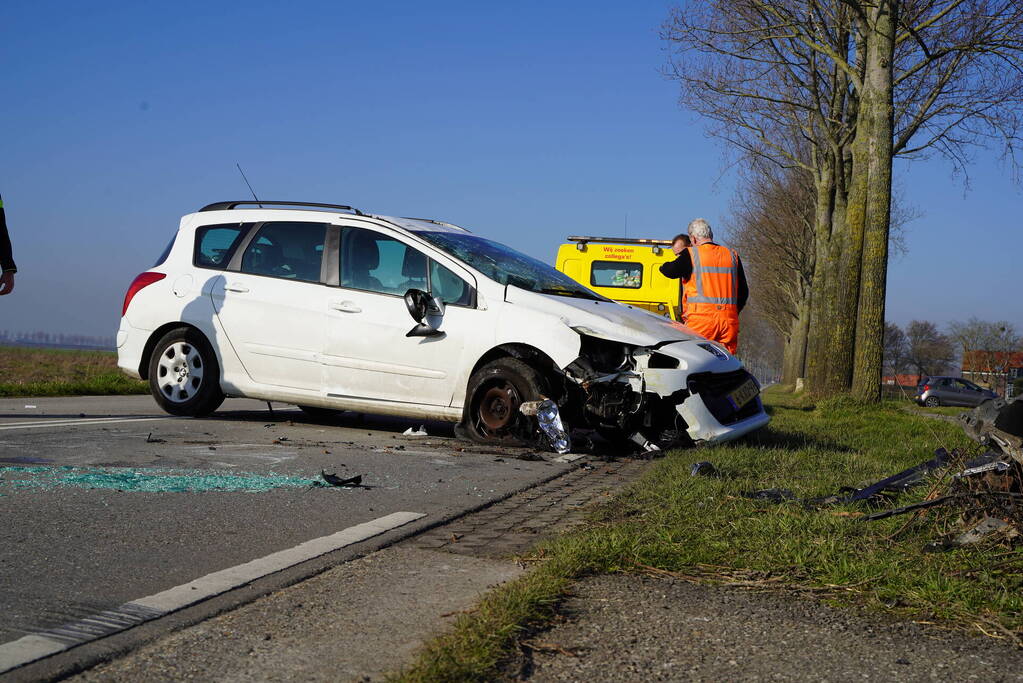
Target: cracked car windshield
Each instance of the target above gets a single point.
(507, 266)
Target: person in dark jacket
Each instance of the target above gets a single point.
(6, 256)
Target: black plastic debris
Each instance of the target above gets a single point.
(702, 469)
(150, 439)
(986, 491)
(771, 495)
(529, 456)
(341, 482)
(943, 500)
(897, 483)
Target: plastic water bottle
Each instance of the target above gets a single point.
(550, 422)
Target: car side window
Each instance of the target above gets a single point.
(945, 383)
(378, 263)
(447, 286)
(215, 244)
(291, 250)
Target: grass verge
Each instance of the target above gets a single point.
(705, 528)
(58, 372)
(940, 410)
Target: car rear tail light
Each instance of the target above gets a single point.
(140, 281)
(927, 387)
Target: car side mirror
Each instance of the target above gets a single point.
(427, 311)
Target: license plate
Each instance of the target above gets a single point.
(744, 394)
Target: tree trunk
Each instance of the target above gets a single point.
(876, 112)
(794, 360)
(835, 288)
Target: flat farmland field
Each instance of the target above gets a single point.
(58, 372)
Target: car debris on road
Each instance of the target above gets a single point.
(343, 482)
(987, 488)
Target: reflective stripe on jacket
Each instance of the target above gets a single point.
(714, 285)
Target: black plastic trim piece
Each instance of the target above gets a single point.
(227, 206)
(235, 264)
(332, 256)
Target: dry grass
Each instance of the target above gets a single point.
(58, 372)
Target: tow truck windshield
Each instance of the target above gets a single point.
(507, 266)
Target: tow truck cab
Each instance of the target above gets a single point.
(623, 269)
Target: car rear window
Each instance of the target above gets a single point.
(292, 250)
(215, 244)
(616, 274)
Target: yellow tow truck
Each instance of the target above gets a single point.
(623, 269)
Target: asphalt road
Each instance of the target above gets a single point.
(105, 500)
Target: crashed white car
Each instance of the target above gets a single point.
(332, 309)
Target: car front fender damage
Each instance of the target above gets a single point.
(655, 397)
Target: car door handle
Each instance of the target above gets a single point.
(345, 306)
(236, 288)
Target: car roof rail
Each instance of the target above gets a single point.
(618, 240)
(227, 206)
(436, 222)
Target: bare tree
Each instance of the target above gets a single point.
(988, 348)
(772, 228)
(853, 83)
(772, 96)
(941, 76)
(761, 347)
(929, 352)
(896, 349)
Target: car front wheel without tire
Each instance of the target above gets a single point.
(184, 375)
(494, 394)
(932, 402)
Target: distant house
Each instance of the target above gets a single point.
(900, 380)
(1014, 386)
(999, 370)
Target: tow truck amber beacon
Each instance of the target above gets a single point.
(332, 309)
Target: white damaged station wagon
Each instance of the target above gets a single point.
(332, 309)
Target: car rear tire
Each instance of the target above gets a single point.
(495, 393)
(932, 402)
(184, 375)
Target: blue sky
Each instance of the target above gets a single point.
(524, 122)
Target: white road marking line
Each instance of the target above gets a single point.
(46, 643)
(39, 424)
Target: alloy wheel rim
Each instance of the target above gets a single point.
(180, 372)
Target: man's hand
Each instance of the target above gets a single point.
(7, 282)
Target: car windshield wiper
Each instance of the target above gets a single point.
(574, 293)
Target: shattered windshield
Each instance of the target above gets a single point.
(507, 266)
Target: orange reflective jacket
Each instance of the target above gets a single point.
(714, 285)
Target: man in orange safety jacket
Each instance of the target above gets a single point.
(715, 287)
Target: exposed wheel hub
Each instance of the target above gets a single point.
(497, 409)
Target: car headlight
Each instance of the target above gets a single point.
(714, 350)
